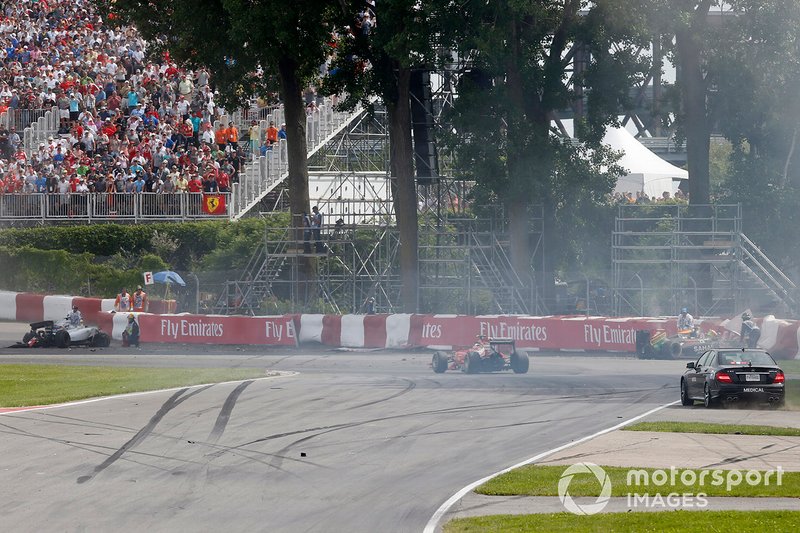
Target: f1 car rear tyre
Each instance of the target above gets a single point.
(61, 339)
(28, 337)
(472, 363)
(676, 349)
(685, 399)
(519, 362)
(439, 362)
(101, 340)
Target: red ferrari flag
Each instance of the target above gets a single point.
(214, 204)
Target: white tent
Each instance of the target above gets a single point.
(647, 172)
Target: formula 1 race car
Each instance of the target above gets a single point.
(688, 343)
(48, 334)
(486, 355)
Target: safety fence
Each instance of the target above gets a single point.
(132, 207)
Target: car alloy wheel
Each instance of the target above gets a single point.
(706, 396)
(685, 399)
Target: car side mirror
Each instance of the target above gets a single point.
(690, 364)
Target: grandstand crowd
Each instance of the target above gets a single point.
(126, 124)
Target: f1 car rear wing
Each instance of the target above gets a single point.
(496, 340)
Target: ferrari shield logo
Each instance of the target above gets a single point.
(213, 204)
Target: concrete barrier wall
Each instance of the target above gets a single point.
(550, 333)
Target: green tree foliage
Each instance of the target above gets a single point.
(98, 259)
(755, 69)
(520, 76)
(378, 63)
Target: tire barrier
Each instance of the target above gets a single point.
(549, 333)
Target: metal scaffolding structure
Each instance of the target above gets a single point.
(666, 257)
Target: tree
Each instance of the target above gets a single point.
(379, 62)
(759, 112)
(250, 47)
(521, 55)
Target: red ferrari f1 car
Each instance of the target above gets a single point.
(486, 355)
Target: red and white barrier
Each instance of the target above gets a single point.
(566, 333)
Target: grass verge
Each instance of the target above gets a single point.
(631, 522)
(537, 480)
(26, 385)
(716, 429)
(793, 394)
(790, 366)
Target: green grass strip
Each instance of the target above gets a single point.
(540, 480)
(790, 366)
(26, 385)
(716, 429)
(663, 522)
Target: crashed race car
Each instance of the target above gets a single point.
(486, 355)
(62, 334)
(689, 343)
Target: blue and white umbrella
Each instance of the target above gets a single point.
(168, 276)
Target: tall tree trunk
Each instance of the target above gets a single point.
(693, 92)
(693, 98)
(401, 159)
(291, 95)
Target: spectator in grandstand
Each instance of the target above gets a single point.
(272, 133)
(221, 137)
(282, 132)
(233, 137)
(254, 136)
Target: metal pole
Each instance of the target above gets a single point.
(196, 293)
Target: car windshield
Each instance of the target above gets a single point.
(745, 358)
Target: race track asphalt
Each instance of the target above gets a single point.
(354, 442)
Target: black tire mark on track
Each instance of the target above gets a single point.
(174, 401)
(225, 414)
(459, 409)
(409, 387)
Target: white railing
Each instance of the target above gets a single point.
(39, 131)
(120, 207)
(262, 174)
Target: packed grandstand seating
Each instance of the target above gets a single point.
(127, 126)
